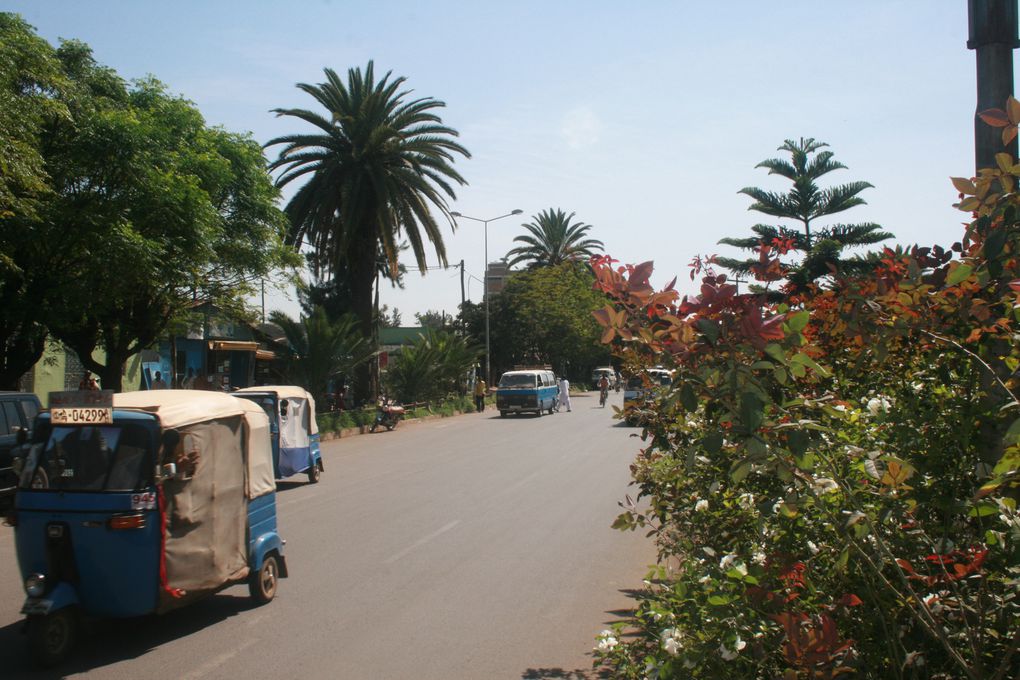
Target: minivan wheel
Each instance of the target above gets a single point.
(52, 636)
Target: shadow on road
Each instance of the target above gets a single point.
(550, 673)
(109, 641)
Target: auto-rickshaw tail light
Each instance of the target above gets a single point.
(127, 522)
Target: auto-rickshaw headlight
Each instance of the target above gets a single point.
(35, 585)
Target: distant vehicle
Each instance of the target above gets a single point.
(641, 389)
(17, 411)
(138, 503)
(527, 391)
(597, 373)
(387, 414)
(291, 412)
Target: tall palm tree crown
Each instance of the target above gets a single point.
(552, 239)
(374, 168)
(804, 203)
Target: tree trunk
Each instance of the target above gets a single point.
(21, 351)
(362, 272)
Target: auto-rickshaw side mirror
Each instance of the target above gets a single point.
(166, 471)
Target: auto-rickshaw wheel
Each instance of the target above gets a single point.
(262, 584)
(52, 636)
(313, 473)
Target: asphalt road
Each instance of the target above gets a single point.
(467, 547)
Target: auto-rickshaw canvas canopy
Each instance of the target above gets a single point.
(290, 392)
(178, 409)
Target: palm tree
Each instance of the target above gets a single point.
(374, 168)
(320, 349)
(804, 202)
(552, 240)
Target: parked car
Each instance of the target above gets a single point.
(17, 412)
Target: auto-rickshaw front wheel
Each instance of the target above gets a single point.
(262, 584)
(52, 636)
(314, 472)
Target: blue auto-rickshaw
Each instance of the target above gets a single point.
(138, 503)
(291, 412)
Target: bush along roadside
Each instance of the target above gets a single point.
(336, 422)
(832, 479)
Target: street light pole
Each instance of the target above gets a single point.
(485, 283)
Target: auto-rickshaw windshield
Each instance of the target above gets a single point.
(91, 458)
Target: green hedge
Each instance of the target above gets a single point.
(342, 420)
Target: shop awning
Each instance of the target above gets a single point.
(233, 346)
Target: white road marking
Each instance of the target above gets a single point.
(422, 541)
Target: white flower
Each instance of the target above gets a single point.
(840, 407)
(824, 485)
(701, 506)
(708, 551)
(671, 641)
(878, 405)
(746, 501)
(917, 387)
(726, 561)
(812, 547)
(758, 557)
(607, 641)
(731, 654)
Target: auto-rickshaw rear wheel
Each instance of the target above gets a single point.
(262, 584)
(314, 472)
(51, 637)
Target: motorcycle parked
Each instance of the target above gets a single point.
(387, 414)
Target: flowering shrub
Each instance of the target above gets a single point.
(831, 481)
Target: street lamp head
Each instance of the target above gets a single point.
(455, 214)
(516, 212)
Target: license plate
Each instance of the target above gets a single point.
(81, 416)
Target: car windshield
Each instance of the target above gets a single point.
(91, 458)
(517, 380)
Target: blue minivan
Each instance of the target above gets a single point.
(527, 391)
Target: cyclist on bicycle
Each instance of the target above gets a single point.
(603, 389)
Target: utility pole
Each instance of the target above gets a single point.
(993, 37)
(462, 298)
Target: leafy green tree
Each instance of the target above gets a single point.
(543, 316)
(375, 166)
(434, 319)
(147, 212)
(821, 251)
(321, 349)
(31, 79)
(433, 367)
(553, 239)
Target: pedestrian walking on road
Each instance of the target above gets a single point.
(480, 389)
(564, 394)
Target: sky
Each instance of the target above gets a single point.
(643, 118)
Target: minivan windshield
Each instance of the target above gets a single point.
(91, 458)
(519, 380)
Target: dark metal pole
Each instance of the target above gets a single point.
(993, 36)
(462, 298)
